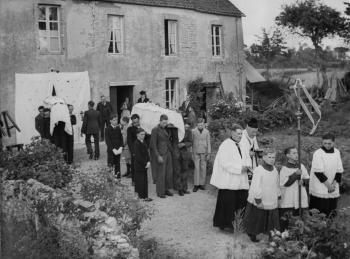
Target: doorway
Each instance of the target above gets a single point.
(117, 96)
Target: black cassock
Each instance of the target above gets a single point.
(141, 157)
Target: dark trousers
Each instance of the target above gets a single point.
(141, 184)
(59, 138)
(96, 143)
(104, 124)
(164, 180)
(115, 162)
(70, 148)
(132, 169)
(227, 205)
(323, 205)
(180, 174)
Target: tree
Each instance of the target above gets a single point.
(346, 31)
(270, 45)
(314, 20)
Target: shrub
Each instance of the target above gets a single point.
(115, 199)
(314, 237)
(268, 121)
(40, 160)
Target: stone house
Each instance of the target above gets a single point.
(125, 45)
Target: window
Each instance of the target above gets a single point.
(216, 40)
(171, 93)
(50, 39)
(115, 34)
(170, 27)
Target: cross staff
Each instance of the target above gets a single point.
(298, 114)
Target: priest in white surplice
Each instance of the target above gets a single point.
(230, 177)
(249, 144)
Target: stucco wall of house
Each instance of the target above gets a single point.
(143, 63)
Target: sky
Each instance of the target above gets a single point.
(261, 14)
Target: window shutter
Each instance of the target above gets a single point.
(63, 39)
(166, 37)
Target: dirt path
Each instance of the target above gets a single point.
(183, 225)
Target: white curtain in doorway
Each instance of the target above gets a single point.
(32, 89)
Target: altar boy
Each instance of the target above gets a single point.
(261, 213)
(290, 176)
(326, 173)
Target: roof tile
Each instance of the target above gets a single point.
(220, 7)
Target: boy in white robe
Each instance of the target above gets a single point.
(325, 177)
(261, 214)
(290, 179)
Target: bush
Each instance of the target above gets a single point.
(115, 199)
(40, 160)
(226, 107)
(269, 120)
(314, 237)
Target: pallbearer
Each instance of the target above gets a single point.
(326, 173)
(230, 177)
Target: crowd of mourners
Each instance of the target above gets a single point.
(245, 175)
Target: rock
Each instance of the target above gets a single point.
(97, 214)
(122, 246)
(84, 205)
(134, 254)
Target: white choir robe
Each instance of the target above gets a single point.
(246, 145)
(265, 186)
(290, 194)
(227, 169)
(329, 164)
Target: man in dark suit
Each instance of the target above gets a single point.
(70, 138)
(91, 127)
(141, 164)
(161, 149)
(184, 159)
(131, 137)
(46, 125)
(105, 109)
(114, 141)
(39, 121)
(143, 98)
(184, 108)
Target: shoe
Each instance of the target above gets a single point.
(186, 192)
(181, 193)
(253, 238)
(91, 156)
(201, 187)
(169, 193)
(118, 176)
(96, 157)
(161, 196)
(127, 174)
(195, 188)
(147, 199)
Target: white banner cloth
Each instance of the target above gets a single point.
(33, 89)
(149, 117)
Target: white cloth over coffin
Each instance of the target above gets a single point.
(149, 117)
(59, 112)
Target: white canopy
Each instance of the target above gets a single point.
(149, 117)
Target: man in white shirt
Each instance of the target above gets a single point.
(325, 177)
